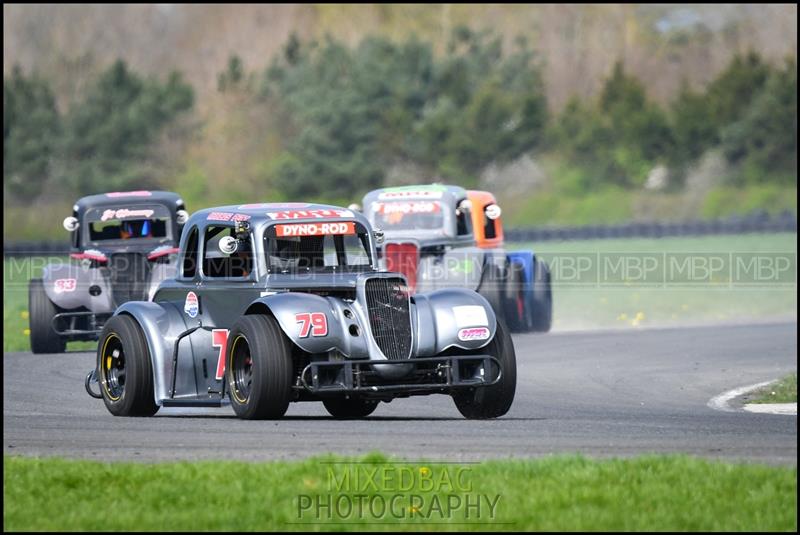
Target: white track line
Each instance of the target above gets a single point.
(720, 402)
(772, 408)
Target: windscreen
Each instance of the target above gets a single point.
(407, 215)
(323, 247)
(123, 224)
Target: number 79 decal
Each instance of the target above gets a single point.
(315, 323)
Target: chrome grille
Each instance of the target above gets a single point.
(388, 307)
(130, 273)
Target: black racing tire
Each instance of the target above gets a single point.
(259, 368)
(519, 316)
(343, 408)
(492, 288)
(542, 299)
(492, 401)
(40, 321)
(124, 368)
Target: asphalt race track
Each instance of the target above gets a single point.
(601, 393)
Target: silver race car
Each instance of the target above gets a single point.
(123, 245)
(275, 303)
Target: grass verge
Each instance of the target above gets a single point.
(784, 391)
(591, 289)
(16, 274)
(561, 493)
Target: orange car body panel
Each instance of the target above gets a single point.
(480, 200)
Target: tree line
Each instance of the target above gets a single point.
(102, 142)
(348, 114)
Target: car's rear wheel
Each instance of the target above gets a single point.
(542, 297)
(259, 368)
(346, 408)
(492, 401)
(41, 312)
(124, 368)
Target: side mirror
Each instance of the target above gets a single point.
(71, 223)
(228, 244)
(354, 207)
(183, 216)
(379, 236)
(493, 211)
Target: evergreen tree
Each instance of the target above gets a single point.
(30, 134)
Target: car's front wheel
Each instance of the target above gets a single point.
(124, 368)
(259, 368)
(492, 401)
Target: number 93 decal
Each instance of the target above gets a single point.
(313, 323)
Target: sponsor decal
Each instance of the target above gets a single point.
(411, 194)
(273, 206)
(314, 323)
(473, 333)
(470, 316)
(418, 207)
(320, 213)
(129, 194)
(65, 285)
(191, 306)
(315, 229)
(122, 213)
(226, 216)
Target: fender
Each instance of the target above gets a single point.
(67, 285)
(293, 312)
(162, 323)
(443, 314)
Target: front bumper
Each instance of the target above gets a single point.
(426, 375)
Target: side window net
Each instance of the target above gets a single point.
(218, 264)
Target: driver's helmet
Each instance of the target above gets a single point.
(136, 229)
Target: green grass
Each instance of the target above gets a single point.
(615, 205)
(726, 201)
(617, 302)
(610, 206)
(656, 493)
(784, 391)
(16, 274)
